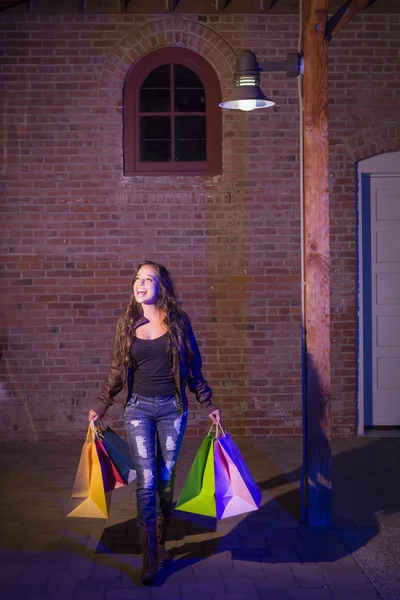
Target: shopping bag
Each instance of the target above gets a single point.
(232, 496)
(88, 498)
(111, 477)
(118, 450)
(236, 492)
(198, 493)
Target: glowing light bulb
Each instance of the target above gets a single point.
(247, 104)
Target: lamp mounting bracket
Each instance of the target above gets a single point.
(293, 65)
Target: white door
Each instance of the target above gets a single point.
(385, 299)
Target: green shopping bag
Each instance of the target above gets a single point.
(198, 494)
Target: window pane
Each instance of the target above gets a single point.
(155, 128)
(190, 128)
(190, 150)
(189, 90)
(190, 139)
(155, 139)
(190, 100)
(155, 151)
(185, 77)
(155, 93)
(158, 78)
(155, 100)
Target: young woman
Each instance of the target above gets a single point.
(155, 357)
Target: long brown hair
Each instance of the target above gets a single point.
(175, 320)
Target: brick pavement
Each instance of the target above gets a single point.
(266, 554)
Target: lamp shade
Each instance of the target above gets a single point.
(247, 94)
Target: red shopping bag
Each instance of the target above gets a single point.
(111, 477)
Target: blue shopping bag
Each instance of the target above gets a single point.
(119, 453)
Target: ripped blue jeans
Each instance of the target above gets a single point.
(154, 427)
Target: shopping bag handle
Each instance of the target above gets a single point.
(222, 428)
(218, 426)
(97, 429)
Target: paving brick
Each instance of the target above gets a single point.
(212, 587)
(232, 596)
(59, 581)
(271, 583)
(167, 590)
(362, 596)
(247, 566)
(228, 544)
(181, 575)
(353, 586)
(18, 591)
(192, 597)
(89, 594)
(240, 585)
(311, 580)
(60, 595)
(273, 594)
(92, 587)
(37, 575)
(103, 571)
(208, 574)
(274, 569)
(254, 542)
(80, 569)
(337, 570)
(310, 594)
(128, 594)
(232, 573)
(219, 560)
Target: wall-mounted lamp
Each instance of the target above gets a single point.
(247, 94)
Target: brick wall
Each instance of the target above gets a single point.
(364, 120)
(74, 226)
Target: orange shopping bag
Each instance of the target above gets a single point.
(88, 498)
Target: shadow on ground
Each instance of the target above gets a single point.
(366, 493)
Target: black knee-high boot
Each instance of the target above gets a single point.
(148, 546)
(162, 526)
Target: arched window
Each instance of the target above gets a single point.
(171, 113)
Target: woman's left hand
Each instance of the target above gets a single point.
(215, 415)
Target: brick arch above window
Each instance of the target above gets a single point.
(161, 135)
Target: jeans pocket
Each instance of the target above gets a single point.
(132, 402)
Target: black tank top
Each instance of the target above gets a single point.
(153, 374)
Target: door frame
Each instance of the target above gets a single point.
(382, 165)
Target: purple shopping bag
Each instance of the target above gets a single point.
(236, 492)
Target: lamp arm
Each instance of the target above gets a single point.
(293, 65)
(270, 66)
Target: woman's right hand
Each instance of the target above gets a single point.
(92, 416)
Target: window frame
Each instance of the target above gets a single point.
(213, 113)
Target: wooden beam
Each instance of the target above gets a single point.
(171, 5)
(124, 5)
(221, 5)
(316, 488)
(347, 12)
